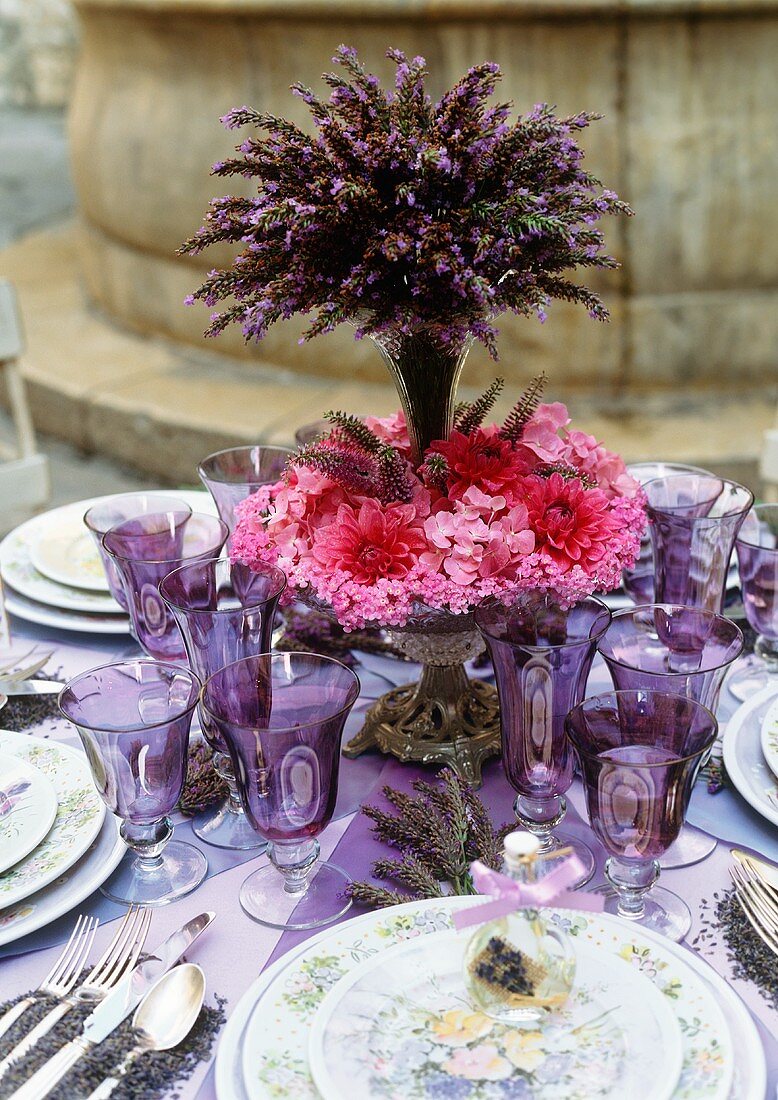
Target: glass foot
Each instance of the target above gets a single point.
(663, 912)
(748, 677)
(692, 846)
(179, 870)
(581, 850)
(263, 897)
(224, 828)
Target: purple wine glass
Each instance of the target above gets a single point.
(225, 612)
(542, 651)
(640, 752)
(112, 511)
(232, 475)
(133, 718)
(694, 520)
(639, 581)
(682, 650)
(757, 554)
(282, 717)
(145, 550)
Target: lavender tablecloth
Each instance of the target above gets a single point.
(236, 949)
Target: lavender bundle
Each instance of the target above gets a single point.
(398, 211)
(438, 832)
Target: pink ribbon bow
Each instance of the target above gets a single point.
(508, 895)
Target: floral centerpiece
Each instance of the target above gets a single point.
(419, 223)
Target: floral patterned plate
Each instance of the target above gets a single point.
(80, 813)
(275, 1063)
(744, 759)
(28, 806)
(402, 1024)
(68, 890)
(769, 738)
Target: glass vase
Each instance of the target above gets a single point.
(425, 368)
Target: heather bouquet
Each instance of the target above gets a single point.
(416, 222)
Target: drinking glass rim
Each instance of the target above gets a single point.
(684, 507)
(757, 545)
(687, 470)
(221, 610)
(91, 527)
(273, 655)
(544, 648)
(625, 612)
(223, 480)
(124, 664)
(164, 561)
(642, 691)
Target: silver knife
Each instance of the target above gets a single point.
(31, 687)
(116, 1007)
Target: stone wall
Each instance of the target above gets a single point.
(38, 44)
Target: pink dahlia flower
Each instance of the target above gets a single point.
(376, 541)
(480, 459)
(572, 524)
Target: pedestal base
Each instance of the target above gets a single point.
(445, 718)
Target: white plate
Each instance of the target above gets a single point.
(16, 556)
(80, 813)
(65, 552)
(57, 619)
(402, 1024)
(769, 737)
(70, 889)
(273, 1059)
(28, 806)
(743, 757)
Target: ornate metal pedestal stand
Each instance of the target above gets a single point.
(444, 718)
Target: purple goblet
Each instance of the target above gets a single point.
(224, 612)
(757, 555)
(542, 651)
(232, 475)
(639, 581)
(640, 752)
(145, 550)
(133, 719)
(694, 519)
(282, 717)
(682, 650)
(104, 515)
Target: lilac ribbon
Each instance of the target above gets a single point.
(508, 895)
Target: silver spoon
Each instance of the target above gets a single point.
(163, 1019)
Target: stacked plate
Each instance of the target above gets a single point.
(52, 572)
(377, 1007)
(751, 752)
(57, 845)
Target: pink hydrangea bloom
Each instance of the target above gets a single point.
(391, 429)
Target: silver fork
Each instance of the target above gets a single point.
(63, 974)
(758, 901)
(119, 957)
(26, 673)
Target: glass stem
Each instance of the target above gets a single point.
(540, 816)
(223, 767)
(147, 841)
(631, 881)
(295, 859)
(767, 650)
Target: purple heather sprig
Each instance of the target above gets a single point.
(398, 212)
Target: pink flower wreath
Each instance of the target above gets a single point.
(530, 505)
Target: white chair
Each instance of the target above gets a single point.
(25, 486)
